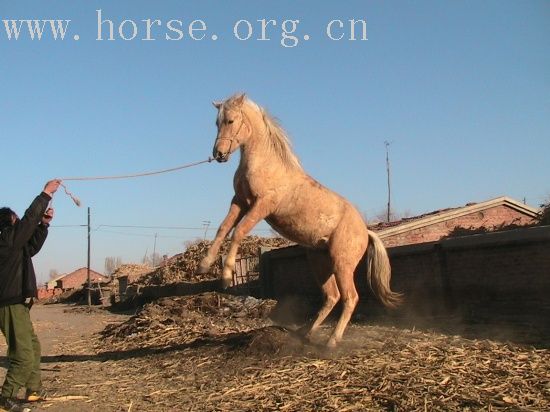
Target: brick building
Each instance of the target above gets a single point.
(430, 227)
(78, 278)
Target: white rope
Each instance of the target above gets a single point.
(172, 169)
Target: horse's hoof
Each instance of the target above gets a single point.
(304, 331)
(227, 275)
(226, 283)
(332, 343)
(307, 339)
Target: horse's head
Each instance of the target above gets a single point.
(232, 129)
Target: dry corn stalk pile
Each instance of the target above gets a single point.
(179, 320)
(218, 356)
(132, 270)
(182, 267)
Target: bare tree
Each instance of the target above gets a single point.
(111, 264)
(188, 243)
(152, 260)
(53, 274)
(382, 216)
(544, 214)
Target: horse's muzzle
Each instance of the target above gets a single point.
(221, 157)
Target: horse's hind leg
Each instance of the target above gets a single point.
(349, 297)
(233, 217)
(321, 266)
(346, 250)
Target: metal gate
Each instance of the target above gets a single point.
(247, 269)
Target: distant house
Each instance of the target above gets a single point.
(78, 278)
(52, 283)
(429, 227)
(49, 289)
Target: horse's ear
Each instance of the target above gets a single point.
(217, 105)
(240, 99)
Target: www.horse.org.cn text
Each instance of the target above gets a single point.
(284, 31)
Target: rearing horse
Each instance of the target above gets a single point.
(271, 184)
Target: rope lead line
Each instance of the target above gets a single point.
(138, 174)
(172, 169)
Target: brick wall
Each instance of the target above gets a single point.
(501, 276)
(488, 218)
(44, 293)
(507, 274)
(285, 270)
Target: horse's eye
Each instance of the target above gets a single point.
(230, 121)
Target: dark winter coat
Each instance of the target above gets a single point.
(18, 243)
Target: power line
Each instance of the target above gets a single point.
(150, 235)
(168, 227)
(136, 227)
(151, 227)
(133, 234)
(68, 226)
(100, 228)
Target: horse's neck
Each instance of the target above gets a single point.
(257, 154)
(256, 157)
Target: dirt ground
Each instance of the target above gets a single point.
(61, 329)
(172, 358)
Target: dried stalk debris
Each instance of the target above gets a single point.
(182, 268)
(219, 352)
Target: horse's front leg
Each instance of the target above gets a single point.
(233, 217)
(260, 210)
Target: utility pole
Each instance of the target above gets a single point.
(145, 256)
(155, 251)
(206, 224)
(388, 172)
(88, 267)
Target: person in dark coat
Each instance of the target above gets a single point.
(20, 239)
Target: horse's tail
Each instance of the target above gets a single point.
(379, 272)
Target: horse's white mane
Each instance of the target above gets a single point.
(278, 140)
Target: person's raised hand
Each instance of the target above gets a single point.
(51, 187)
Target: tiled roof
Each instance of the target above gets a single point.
(449, 213)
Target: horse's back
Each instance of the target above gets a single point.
(310, 213)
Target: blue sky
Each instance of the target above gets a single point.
(460, 89)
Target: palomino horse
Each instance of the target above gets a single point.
(271, 184)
